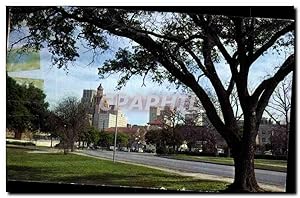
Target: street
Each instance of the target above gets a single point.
(262, 176)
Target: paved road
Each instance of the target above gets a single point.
(263, 176)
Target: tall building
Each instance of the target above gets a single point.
(154, 113)
(102, 114)
(88, 95)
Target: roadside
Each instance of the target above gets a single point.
(263, 164)
(42, 165)
(201, 176)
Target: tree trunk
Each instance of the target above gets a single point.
(65, 147)
(18, 134)
(243, 155)
(71, 144)
(244, 178)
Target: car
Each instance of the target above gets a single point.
(268, 152)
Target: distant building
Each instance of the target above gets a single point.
(194, 118)
(88, 96)
(264, 131)
(154, 113)
(102, 115)
(159, 116)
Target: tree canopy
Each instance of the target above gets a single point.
(71, 117)
(26, 107)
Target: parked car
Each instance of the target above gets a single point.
(268, 152)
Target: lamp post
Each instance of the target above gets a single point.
(116, 129)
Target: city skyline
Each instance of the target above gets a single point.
(60, 83)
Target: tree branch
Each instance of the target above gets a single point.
(272, 40)
(230, 86)
(271, 115)
(286, 68)
(264, 91)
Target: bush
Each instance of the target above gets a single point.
(161, 150)
(20, 143)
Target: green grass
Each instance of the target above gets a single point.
(275, 165)
(22, 165)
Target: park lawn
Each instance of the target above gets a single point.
(266, 164)
(57, 167)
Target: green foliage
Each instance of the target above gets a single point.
(90, 135)
(106, 139)
(164, 138)
(71, 118)
(26, 106)
(153, 137)
(122, 139)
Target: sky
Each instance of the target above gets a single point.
(59, 83)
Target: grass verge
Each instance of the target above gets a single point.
(274, 165)
(57, 167)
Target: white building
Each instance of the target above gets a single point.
(102, 114)
(107, 120)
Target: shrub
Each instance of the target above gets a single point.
(161, 150)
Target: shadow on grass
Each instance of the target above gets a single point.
(24, 172)
(149, 180)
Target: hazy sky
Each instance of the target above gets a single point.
(59, 83)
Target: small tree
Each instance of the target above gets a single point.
(51, 124)
(73, 119)
(279, 140)
(106, 139)
(171, 120)
(122, 140)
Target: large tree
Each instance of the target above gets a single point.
(182, 48)
(26, 107)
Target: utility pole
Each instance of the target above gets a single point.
(116, 129)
